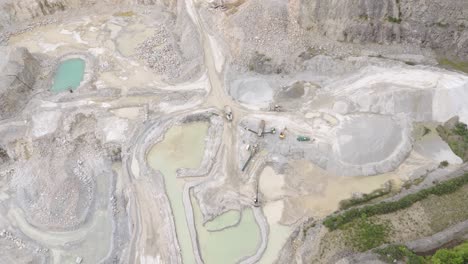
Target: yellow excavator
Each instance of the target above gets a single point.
(282, 135)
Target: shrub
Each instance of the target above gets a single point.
(443, 164)
(394, 19)
(457, 255)
(345, 204)
(445, 256)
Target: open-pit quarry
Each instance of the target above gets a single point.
(216, 132)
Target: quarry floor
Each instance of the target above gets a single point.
(177, 192)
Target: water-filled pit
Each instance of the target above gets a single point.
(69, 75)
(182, 147)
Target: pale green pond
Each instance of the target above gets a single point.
(230, 245)
(183, 147)
(69, 75)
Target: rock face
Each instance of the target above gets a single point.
(12, 11)
(18, 70)
(436, 24)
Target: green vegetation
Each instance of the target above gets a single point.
(410, 63)
(457, 138)
(364, 17)
(345, 204)
(416, 182)
(261, 63)
(125, 14)
(364, 234)
(394, 19)
(426, 131)
(307, 227)
(443, 164)
(447, 210)
(335, 221)
(456, 255)
(399, 8)
(457, 65)
(400, 253)
(3, 155)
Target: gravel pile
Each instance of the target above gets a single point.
(161, 54)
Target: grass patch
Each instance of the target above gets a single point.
(447, 210)
(336, 221)
(457, 65)
(457, 138)
(364, 234)
(414, 182)
(348, 203)
(125, 14)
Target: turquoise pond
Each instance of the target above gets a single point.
(69, 75)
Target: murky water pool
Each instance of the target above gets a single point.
(69, 75)
(183, 147)
(231, 244)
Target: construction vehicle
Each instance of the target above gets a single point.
(275, 107)
(253, 150)
(228, 113)
(261, 129)
(256, 198)
(282, 134)
(303, 138)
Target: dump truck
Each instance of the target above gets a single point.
(228, 113)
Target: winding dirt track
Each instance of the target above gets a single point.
(216, 98)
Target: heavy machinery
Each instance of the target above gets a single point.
(253, 150)
(228, 113)
(282, 134)
(303, 138)
(261, 129)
